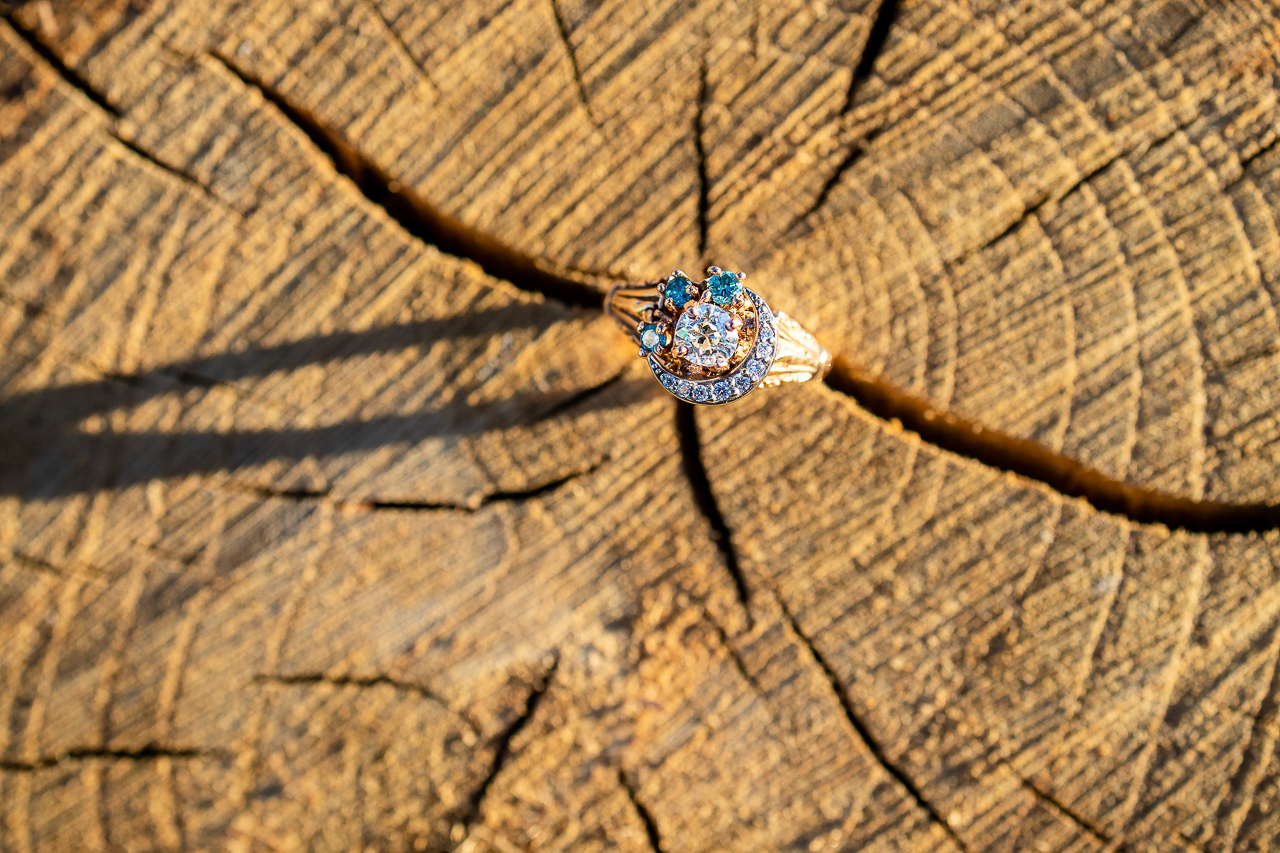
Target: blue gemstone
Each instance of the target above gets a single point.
(725, 288)
(675, 289)
(653, 337)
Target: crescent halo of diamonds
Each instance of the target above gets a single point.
(740, 381)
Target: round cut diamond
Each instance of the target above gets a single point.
(706, 335)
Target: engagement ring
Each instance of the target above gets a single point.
(714, 341)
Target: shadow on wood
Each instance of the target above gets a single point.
(44, 424)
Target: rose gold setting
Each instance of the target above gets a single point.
(714, 341)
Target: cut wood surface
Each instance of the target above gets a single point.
(335, 516)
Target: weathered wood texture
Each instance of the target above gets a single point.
(315, 536)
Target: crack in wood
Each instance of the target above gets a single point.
(853, 155)
(699, 147)
(69, 75)
(518, 496)
(44, 567)
(1234, 809)
(357, 506)
(738, 663)
(1246, 162)
(1091, 174)
(886, 16)
(1050, 197)
(1035, 462)
(394, 35)
(187, 179)
(427, 222)
(1028, 211)
(705, 499)
(861, 729)
(313, 678)
(563, 29)
(150, 752)
(1035, 206)
(646, 817)
(1185, 27)
(503, 751)
(1217, 368)
(580, 397)
(298, 495)
(1057, 806)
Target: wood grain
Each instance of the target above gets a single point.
(333, 516)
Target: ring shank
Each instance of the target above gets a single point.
(630, 304)
(800, 357)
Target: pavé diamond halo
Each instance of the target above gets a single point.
(714, 341)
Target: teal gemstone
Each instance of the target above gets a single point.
(652, 337)
(675, 290)
(725, 288)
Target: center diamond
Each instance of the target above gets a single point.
(706, 335)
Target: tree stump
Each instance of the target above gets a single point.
(335, 516)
